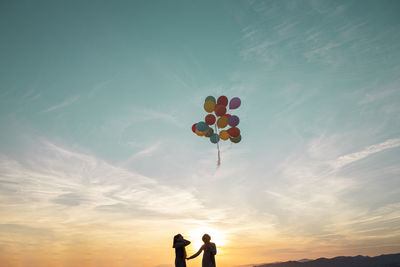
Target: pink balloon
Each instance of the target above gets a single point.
(234, 103)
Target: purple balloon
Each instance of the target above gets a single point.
(233, 121)
(234, 103)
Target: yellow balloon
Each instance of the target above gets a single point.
(200, 133)
(209, 106)
(222, 122)
(224, 135)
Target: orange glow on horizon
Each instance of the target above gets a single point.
(218, 237)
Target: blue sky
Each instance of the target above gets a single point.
(97, 100)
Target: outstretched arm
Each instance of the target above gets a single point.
(197, 253)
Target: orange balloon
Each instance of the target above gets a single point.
(224, 135)
(200, 133)
(222, 122)
(209, 106)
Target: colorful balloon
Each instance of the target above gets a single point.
(199, 133)
(235, 103)
(219, 110)
(218, 117)
(209, 106)
(214, 138)
(224, 135)
(236, 139)
(222, 122)
(234, 132)
(222, 100)
(211, 98)
(201, 126)
(204, 133)
(209, 132)
(233, 121)
(210, 119)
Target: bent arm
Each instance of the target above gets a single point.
(182, 243)
(213, 249)
(197, 253)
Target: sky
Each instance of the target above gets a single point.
(98, 163)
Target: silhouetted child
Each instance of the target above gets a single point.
(209, 252)
(180, 251)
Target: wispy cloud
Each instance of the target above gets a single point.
(356, 156)
(142, 114)
(147, 151)
(57, 176)
(98, 87)
(32, 94)
(314, 194)
(371, 97)
(67, 102)
(323, 52)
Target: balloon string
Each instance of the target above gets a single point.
(219, 154)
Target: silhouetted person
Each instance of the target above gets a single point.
(180, 251)
(209, 252)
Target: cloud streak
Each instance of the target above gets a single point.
(148, 151)
(71, 178)
(316, 199)
(356, 156)
(65, 103)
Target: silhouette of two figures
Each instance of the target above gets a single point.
(208, 248)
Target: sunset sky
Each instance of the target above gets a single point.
(98, 163)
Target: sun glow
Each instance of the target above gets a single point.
(217, 237)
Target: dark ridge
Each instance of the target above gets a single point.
(390, 260)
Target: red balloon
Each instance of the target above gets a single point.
(194, 128)
(234, 132)
(222, 100)
(227, 115)
(210, 119)
(219, 110)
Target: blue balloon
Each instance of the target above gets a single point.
(202, 126)
(214, 138)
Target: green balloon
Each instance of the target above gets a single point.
(214, 138)
(210, 132)
(236, 139)
(211, 98)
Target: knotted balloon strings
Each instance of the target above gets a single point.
(219, 154)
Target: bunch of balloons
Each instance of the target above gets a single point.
(220, 119)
